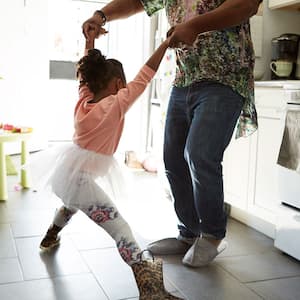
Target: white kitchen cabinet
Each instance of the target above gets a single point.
(269, 138)
(236, 172)
(285, 4)
(250, 165)
(271, 110)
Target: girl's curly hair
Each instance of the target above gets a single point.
(96, 71)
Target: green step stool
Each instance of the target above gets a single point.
(10, 167)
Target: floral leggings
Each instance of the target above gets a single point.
(105, 214)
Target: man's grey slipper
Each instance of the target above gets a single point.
(168, 246)
(202, 252)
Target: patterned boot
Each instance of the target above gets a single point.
(51, 238)
(149, 278)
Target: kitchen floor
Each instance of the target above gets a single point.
(87, 266)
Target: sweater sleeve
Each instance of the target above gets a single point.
(84, 95)
(127, 96)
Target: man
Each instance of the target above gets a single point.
(213, 91)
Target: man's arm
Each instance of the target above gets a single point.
(116, 9)
(228, 14)
(120, 9)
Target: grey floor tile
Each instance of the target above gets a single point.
(32, 224)
(243, 240)
(65, 260)
(36, 222)
(5, 214)
(171, 259)
(207, 283)
(269, 265)
(278, 289)
(77, 287)
(96, 239)
(112, 273)
(151, 218)
(7, 244)
(87, 264)
(10, 270)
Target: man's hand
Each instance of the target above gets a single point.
(182, 34)
(92, 28)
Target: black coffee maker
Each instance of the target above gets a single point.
(285, 48)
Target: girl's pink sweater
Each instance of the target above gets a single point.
(98, 126)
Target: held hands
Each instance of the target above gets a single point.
(93, 27)
(90, 43)
(184, 33)
(93, 34)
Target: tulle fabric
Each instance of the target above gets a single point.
(67, 168)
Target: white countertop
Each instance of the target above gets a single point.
(279, 83)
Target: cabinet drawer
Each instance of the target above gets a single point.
(270, 97)
(271, 113)
(291, 4)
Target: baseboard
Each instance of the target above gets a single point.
(254, 221)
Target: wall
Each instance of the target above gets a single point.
(275, 23)
(127, 41)
(24, 66)
(29, 98)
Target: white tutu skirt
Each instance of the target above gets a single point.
(75, 175)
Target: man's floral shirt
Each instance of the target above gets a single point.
(225, 56)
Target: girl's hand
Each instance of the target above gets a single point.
(90, 43)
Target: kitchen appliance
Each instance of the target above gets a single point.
(287, 236)
(298, 62)
(285, 50)
(289, 180)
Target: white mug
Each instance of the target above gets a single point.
(298, 71)
(282, 68)
(298, 64)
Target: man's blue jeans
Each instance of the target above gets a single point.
(200, 122)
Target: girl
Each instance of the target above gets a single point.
(104, 98)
